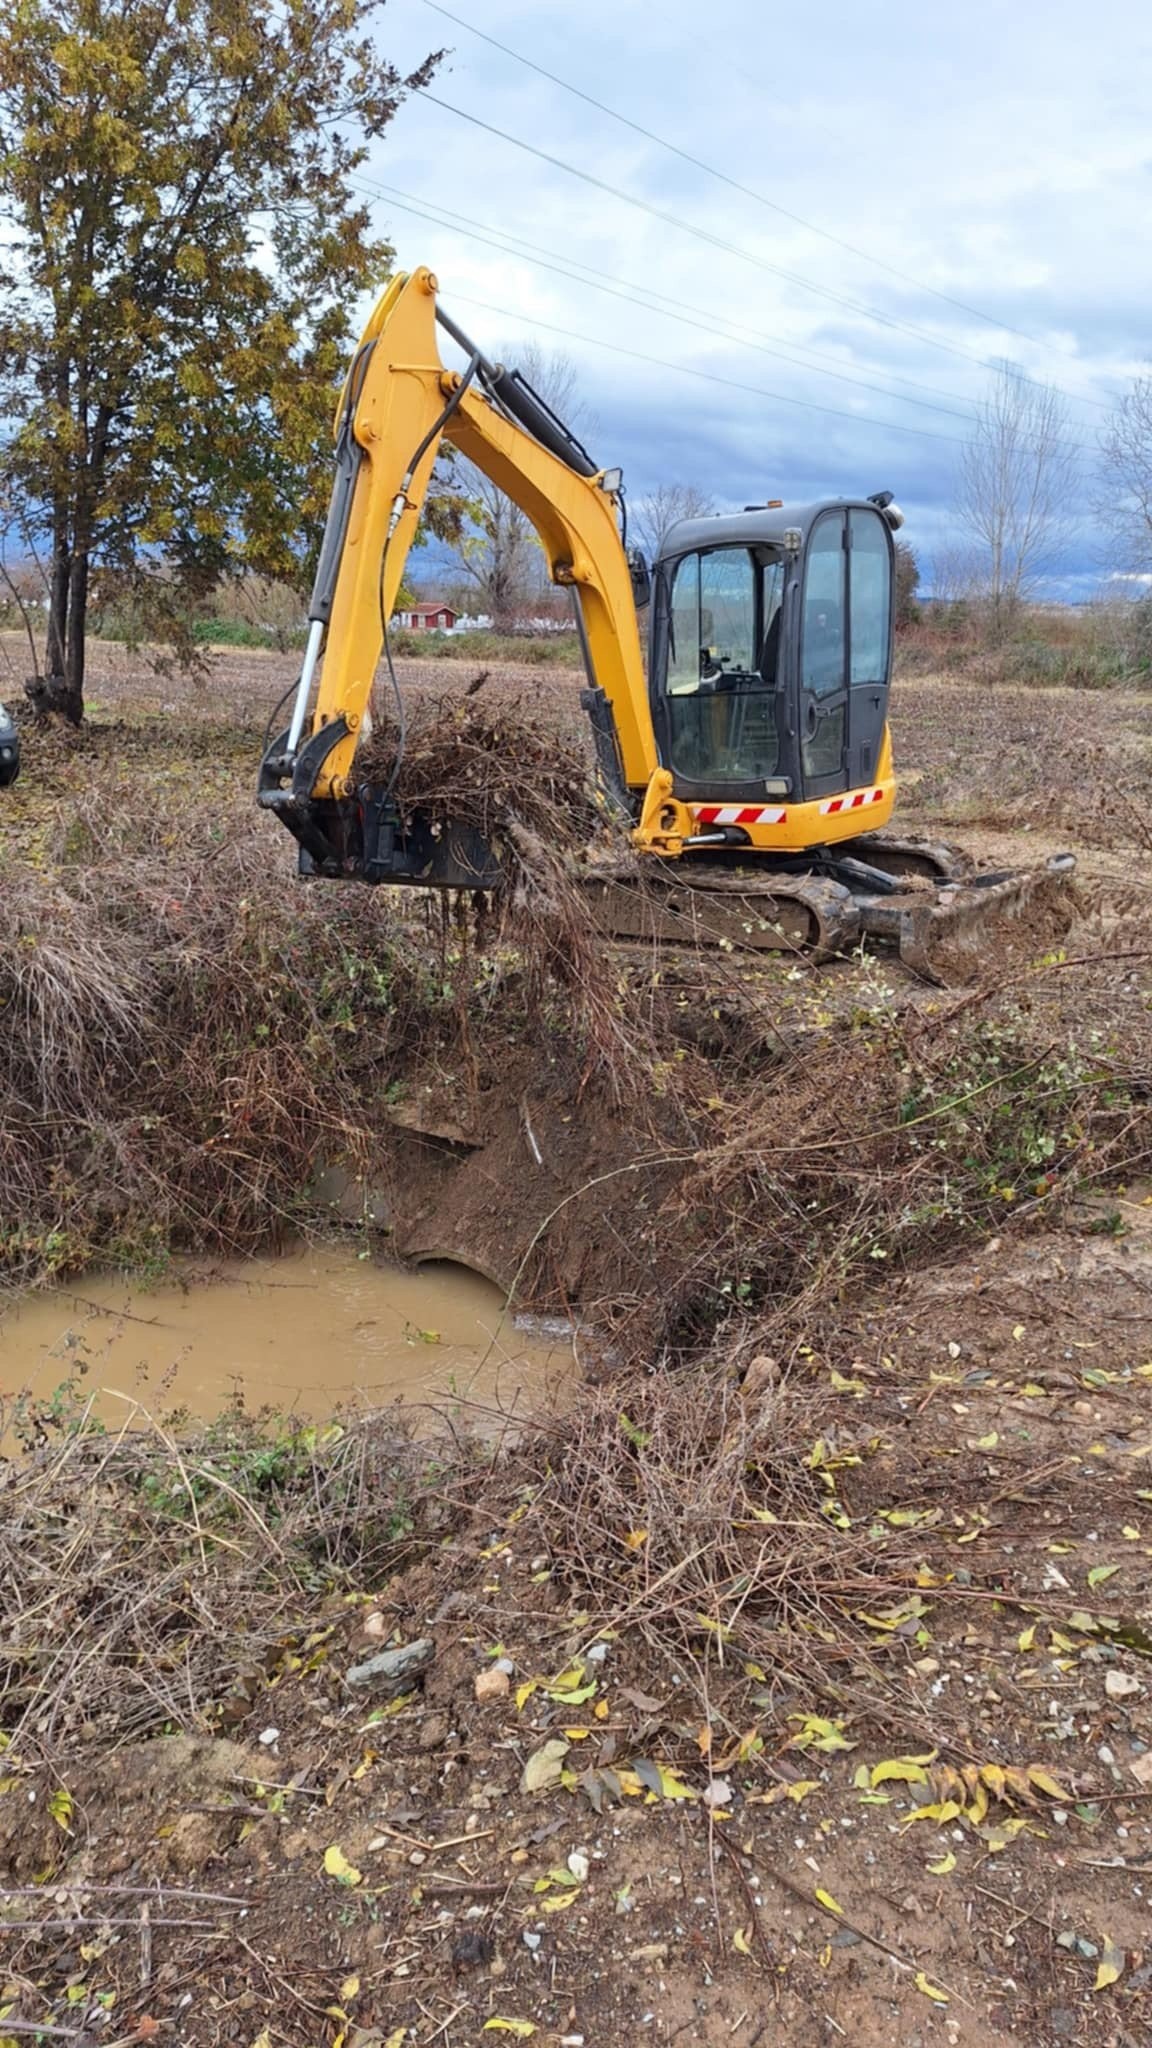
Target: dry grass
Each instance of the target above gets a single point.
(173, 1020)
(699, 1511)
(148, 1584)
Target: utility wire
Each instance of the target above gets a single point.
(654, 302)
(710, 376)
(735, 184)
(859, 419)
(734, 248)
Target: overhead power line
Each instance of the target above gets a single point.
(680, 311)
(737, 185)
(731, 248)
(709, 376)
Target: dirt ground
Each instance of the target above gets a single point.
(904, 1800)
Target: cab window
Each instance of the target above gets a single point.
(723, 644)
(870, 578)
(824, 638)
(713, 618)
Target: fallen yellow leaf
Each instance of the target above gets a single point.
(796, 1790)
(1045, 1782)
(825, 1899)
(903, 1770)
(523, 2029)
(741, 1943)
(1111, 1965)
(931, 1991)
(948, 1809)
(337, 1865)
(943, 1865)
(635, 1539)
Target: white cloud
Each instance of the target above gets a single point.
(995, 155)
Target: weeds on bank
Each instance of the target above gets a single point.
(151, 1573)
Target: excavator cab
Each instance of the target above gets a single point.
(771, 652)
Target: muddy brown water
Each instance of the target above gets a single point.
(302, 1334)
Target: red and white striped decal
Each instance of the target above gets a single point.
(854, 801)
(737, 814)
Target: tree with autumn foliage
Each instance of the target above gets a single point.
(181, 252)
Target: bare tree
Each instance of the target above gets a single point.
(1124, 485)
(499, 553)
(651, 516)
(1016, 493)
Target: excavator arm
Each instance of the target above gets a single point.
(398, 404)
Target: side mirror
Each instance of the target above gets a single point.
(641, 578)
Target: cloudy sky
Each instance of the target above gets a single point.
(885, 202)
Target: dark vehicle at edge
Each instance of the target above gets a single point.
(9, 749)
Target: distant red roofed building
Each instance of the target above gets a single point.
(427, 618)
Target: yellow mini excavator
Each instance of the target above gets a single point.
(752, 759)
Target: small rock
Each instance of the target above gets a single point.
(375, 1626)
(268, 1736)
(718, 1793)
(1106, 1755)
(531, 1940)
(491, 1684)
(596, 1653)
(1118, 1685)
(434, 1732)
(579, 1865)
(926, 1666)
(393, 1670)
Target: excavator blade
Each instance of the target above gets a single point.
(960, 916)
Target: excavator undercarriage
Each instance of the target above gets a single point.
(911, 896)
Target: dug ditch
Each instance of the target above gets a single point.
(305, 1334)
